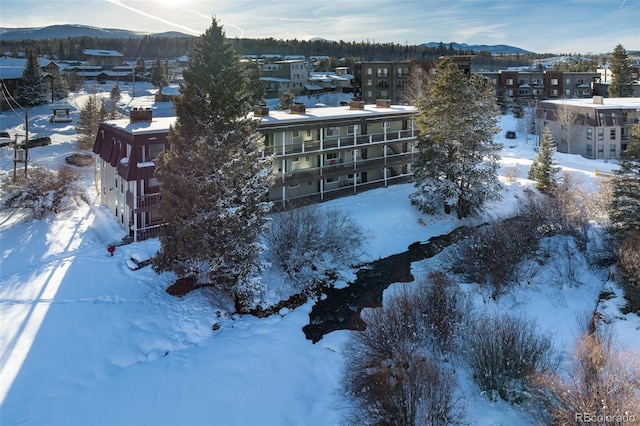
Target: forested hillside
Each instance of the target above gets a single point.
(151, 47)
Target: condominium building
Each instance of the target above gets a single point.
(318, 154)
(596, 128)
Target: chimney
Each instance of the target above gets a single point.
(356, 104)
(598, 100)
(140, 114)
(298, 108)
(260, 110)
(383, 103)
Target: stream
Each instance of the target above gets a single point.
(340, 309)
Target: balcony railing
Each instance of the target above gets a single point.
(343, 142)
(143, 202)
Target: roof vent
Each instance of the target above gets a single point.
(598, 100)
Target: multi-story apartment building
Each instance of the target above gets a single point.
(543, 84)
(288, 75)
(318, 154)
(600, 128)
(388, 79)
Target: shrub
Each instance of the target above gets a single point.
(492, 255)
(600, 382)
(444, 309)
(306, 242)
(43, 190)
(505, 353)
(390, 377)
(629, 268)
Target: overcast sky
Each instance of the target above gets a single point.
(543, 26)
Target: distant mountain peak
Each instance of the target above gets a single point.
(498, 48)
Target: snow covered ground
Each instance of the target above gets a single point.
(84, 340)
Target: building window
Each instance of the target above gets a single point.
(589, 150)
(351, 129)
(612, 134)
(567, 92)
(333, 179)
(612, 150)
(382, 72)
(554, 81)
(296, 134)
(554, 93)
(509, 82)
(369, 82)
(600, 134)
(567, 81)
(332, 131)
(295, 159)
(600, 151)
(509, 92)
(589, 134)
(369, 71)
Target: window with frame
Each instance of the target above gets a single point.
(612, 134)
(589, 150)
(369, 82)
(600, 134)
(589, 134)
(600, 150)
(332, 132)
(382, 72)
(296, 134)
(612, 150)
(509, 82)
(567, 92)
(351, 129)
(554, 81)
(333, 179)
(554, 93)
(369, 71)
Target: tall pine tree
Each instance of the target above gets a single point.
(458, 160)
(214, 180)
(622, 79)
(544, 168)
(33, 89)
(92, 113)
(624, 211)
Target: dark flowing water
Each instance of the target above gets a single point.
(341, 308)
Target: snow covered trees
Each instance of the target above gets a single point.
(458, 159)
(33, 89)
(622, 78)
(159, 74)
(92, 113)
(214, 181)
(544, 167)
(625, 204)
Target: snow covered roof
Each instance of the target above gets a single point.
(94, 52)
(157, 125)
(276, 79)
(607, 103)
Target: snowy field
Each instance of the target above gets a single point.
(84, 340)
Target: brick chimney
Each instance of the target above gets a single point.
(260, 110)
(298, 108)
(140, 114)
(383, 103)
(356, 104)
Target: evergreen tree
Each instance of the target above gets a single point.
(622, 79)
(60, 87)
(286, 100)
(518, 109)
(140, 67)
(33, 89)
(214, 181)
(544, 168)
(457, 159)
(159, 74)
(92, 113)
(625, 205)
(114, 97)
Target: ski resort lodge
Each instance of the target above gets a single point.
(319, 154)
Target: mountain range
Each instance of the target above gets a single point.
(71, 30)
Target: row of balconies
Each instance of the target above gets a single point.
(307, 147)
(315, 173)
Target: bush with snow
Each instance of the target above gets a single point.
(506, 353)
(42, 190)
(308, 243)
(390, 376)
